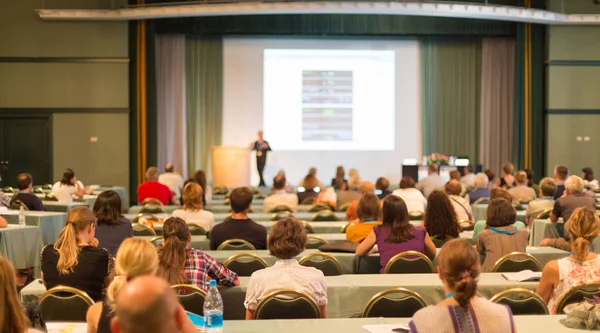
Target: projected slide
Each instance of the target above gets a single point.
(329, 99)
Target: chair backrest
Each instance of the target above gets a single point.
(190, 297)
(482, 201)
(281, 215)
(236, 244)
(157, 241)
(221, 190)
(152, 208)
(38, 189)
(307, 226)
(516, 262)
(8, 189)
(324, 262)
(314, 242)
(466, 225)
(577, 294)
(17, 204)
(308, 201)
(521, 301)
(394, 303)
(287, 304)
(50, 197)
(146, 217)
(415, 215)
(320, 207)
(151, 201)
(281, 208)
(344, 207)
(344, 228)
(545, 214)
(324, 215)
(409, 262)
(244, 264)
(195, 229)
(438, 242)
(142, 230)
(65, 304)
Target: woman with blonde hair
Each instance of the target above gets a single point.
(580, 267)
(461, 311)
(13, 318)
(193, 209)
(75, 260)
(136, 257)
(508, 179)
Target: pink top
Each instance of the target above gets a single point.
(388, 250)
(573, 274)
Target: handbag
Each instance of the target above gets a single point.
(583, 315)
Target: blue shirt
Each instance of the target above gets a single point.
(480, 192)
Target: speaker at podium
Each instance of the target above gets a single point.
(230, 166)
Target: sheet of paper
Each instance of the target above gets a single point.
(384, 328)
(57, 327)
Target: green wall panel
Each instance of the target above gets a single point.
(573, 87)
(574, 43)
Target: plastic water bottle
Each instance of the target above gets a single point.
(21, 217)
(213, 310)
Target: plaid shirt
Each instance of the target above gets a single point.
(4, 200)
(200, 268)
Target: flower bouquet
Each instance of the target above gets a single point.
(437, 158)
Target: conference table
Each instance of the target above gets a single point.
(134, 210)
(480, 213)
(22, 246)
(256, 208)
(541, 229)
(121, 191)
(55, 206)
(49, 223)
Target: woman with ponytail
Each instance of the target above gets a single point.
(136, 257)
(75, 259)
(581, 267)
(178, 264)
(462, 311)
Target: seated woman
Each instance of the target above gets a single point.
(440, 218)
(309, 189)
(368, 212)
(496, 193)
(75, 259)
(339, 179)
(286, 241)
(413, 198)
(461, 311)
(500, 237)
(396, 234)
(508, 179)
(382, 186)
(200, 178)
(113, 228)
(67, 187)
(178, 264)
(193, 209)
(589, 181)
(580, 267)
(136, 257)
(14, 317)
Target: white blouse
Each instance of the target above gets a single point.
(203, 217)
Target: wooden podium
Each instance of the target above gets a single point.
(230, 166)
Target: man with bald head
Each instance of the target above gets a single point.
(461, 205)
(173, 180)
(148, 305)
(280, 196)
(363, 188)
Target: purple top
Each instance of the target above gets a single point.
(388, 250)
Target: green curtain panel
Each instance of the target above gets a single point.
(204, 99)
(450, 96)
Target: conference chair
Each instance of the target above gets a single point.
(157, 241)
(577, 294)
(409, 262)
(152, 208)
(521, 302)
(38, 190)
(416, 215)
(324, 215)
(50, 197)
(236, 244)
(439, 242)
(308, 227)
(47, 186)
(344, 228)
(466, 225)
(308, 201)
(287, 304)
(544, 214)
(314, 242)
(254, 190)
(220, 190)
(17, 204)
(320, 207)
(151, 200)
(195, 229)
(394, 303)
(482, 201)
(64, 304)
(344, 207)
(281, 215)
(142, 230)
(281, 208)
(8, 189)
(324, 262)
(516, 262)
(244, 264)
(190, 297)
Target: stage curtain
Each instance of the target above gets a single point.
(170, 97)
(204, 95)
(497, 102)
(450, 88)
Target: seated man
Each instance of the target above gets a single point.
(564, 207)
(349, 192)
(239, 225)
(468, 180)
(173, 180)
(153, 189)
(25, 184)
(546, 200)
(521, 192)
(560, 176)
(280, 197)
(364, 188)
(432, 182)
(481, 188)
(462, 208)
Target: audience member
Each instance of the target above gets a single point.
(200, 178)
(67, 187)
(328, 197)
(432, 182)
(364, 188)
(507, 180)
(396, 234)
(468, 180)
(530, 181)
(588, 178)
(4, 201)
(75, 259)
(415, 200)
(560, 176)
(491, 176)
(178, 264)
(462, 310)
(368, 215)
(310, 189)
(382, 187)
(312, 172)
(113, 228)
(287, 240)
(500, 237)
(520, 191)
(580, 267)
(339, 179)
(171, 179)
(287, 187)
(545, 202)
(461, 205)
(148, 305)
(440, 219)
(13, 318)
(25, 184)
(496, 193)
(152, 189)
(193, 210)
(572, 199)
(238, 225)
(347, 195)
(481, 188)
(455, 175)
(280, 197)
(136, 257)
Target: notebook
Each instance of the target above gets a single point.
(523, 276)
